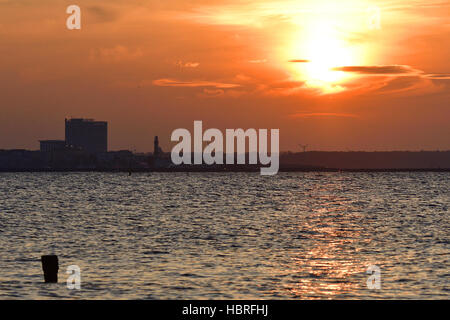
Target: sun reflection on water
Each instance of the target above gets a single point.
(331, 266)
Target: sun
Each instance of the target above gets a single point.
(322, 45)
(324, 51)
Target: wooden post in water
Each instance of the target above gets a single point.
(50, 268)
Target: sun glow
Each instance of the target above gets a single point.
(325, 50)
(322, 43)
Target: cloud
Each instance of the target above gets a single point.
(242, 78)
(438, 76)
(258, 61)
(188, 64)
(323, 114)
(378, 70)
(280, 87)
(212, 93)
(192, 84)
(299, 61)
(392, 79)
(407, 84)
(191, 64)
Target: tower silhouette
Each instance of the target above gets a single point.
(156, 149)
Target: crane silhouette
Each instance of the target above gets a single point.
(303, 146)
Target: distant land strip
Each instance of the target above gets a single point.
(310, 161)
(199, 169)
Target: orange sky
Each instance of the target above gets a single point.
(323, 72)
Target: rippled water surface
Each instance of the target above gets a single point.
(235, 235)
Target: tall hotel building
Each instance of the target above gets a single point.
(87, 134)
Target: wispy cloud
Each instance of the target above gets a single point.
(393, 79)
(378, 70)
(192, 84)
(438, 76)
(258, 61)
(212, 93)
(187, 64)
(299, 61)
(322, 114)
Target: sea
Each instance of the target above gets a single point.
(308, 235)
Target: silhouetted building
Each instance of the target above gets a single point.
(20, 159)
(157, 151)
(158, 159)
(87, 135)
(52, 145)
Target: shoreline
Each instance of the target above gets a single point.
(221, 170)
